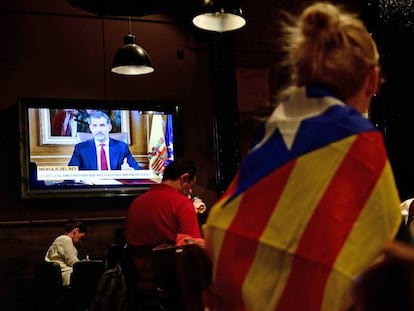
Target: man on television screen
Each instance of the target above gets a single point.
(102, 152)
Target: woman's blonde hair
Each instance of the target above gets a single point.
(331, 48)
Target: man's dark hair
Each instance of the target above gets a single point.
(99, 114)
(176, 168)
(73, 223)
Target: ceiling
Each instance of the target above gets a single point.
(135, 7)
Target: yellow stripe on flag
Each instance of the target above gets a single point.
(381, 217)
(221, 218)
(284, 229)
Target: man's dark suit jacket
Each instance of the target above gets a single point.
(84, 155)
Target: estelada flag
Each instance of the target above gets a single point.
(310, 208)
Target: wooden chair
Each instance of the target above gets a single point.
(84, 281)
(182, 273)
(142, 277)
(165, 267)
(49, 293)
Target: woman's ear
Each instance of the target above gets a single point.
(372, 82)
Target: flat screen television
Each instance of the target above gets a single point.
(50, 129)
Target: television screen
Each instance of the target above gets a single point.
(94, 148)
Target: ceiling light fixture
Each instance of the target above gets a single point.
(220, 16)
(131, 59)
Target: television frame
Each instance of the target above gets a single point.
(34, 127)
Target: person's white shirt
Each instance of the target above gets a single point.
(65, 254)
(405, 208)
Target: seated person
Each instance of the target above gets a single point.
(63, 250)
(102, 152)
(165, 211)
(164, 215)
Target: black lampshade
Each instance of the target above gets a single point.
(131, 59)
(220, 16)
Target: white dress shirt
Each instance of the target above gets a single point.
(65, 254)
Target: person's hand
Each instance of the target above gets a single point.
(199, 205)
(184, 239)
(125, 165)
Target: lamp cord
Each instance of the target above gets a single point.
(130, 31)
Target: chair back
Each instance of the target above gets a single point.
(143, 279)
(84, 281)
(48, 288)
(165, 267)
(194, 272)
(182, 272)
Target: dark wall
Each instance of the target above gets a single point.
(392, 25)
(51, 49)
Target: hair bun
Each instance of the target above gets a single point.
(320, 19)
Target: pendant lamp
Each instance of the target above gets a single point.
(220, 16)
(131, 59)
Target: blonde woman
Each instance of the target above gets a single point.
(314, 200)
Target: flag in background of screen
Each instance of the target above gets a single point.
(157, 149)
(169, 139)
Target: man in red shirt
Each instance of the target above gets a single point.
(158, 217)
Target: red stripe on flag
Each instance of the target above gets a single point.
(231, 188)
(251, 219)
(158, 164)
(331, 223)
(233, 185)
